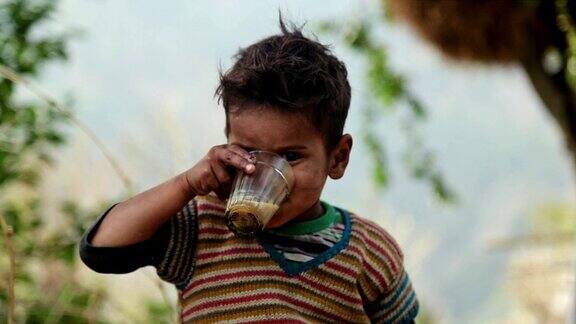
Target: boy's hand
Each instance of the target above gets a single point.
(216, 170)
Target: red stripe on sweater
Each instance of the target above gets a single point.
(202, 256)
(368, 242)
(332, 291)
(382, 235)
(258, 297)
(389, 239)
(385, 254)
(203, 207)
(355, 249)
(271, 273)
(214, 230)
(234, 275)
(381, 281)
(333, 265)
(273, 321)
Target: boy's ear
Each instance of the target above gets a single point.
(339, 157)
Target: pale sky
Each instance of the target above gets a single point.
(144, 72)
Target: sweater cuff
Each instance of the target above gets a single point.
(121, 259)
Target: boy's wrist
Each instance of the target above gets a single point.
(184, 185)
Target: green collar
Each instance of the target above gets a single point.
(311, 226)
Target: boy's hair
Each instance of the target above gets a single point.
(290, 73)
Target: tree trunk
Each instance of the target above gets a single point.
(558, 98)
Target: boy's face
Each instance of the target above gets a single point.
(294, 138)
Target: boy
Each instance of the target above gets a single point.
(314, 262)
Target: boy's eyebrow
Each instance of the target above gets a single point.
(292, 147)
(281, 149)
(244, 146)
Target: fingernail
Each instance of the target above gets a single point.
(250, 167)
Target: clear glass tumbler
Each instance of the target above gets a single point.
(256, 197)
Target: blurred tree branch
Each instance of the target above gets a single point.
(8, 232)
(390, 93)
(53, 104)
(540, 36)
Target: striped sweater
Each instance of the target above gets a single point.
(223, 278)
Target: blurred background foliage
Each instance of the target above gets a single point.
(540, 273)
(492, 32)
(390, 95)
(47, 288)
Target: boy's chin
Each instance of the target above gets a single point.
(276, 221)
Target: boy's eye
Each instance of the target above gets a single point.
(291, 156)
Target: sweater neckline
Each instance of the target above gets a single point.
(294, 269)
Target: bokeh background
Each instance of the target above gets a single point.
(486, 225)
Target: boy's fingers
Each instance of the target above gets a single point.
(220, 173)
(240, 151)
(245, 154)
(230, 157)
(222, 177)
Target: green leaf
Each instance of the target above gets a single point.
(158, 312)
(416, 107)
(377, 153)
(6, 90)
(13, 218)
(67, 253)
(380, 175)
(443, 193)
(30, 177)
(388, 88)
(54, 137)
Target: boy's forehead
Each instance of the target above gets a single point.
(270, 130)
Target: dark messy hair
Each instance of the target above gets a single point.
(290, 73)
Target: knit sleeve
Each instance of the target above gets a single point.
(176, 263)
(397, 305)
(384, 284)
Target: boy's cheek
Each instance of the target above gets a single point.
(309, 180)
(308, 188)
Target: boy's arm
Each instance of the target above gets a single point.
(138, 218)
(172, 243)
(157, 226)
(122, 259)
